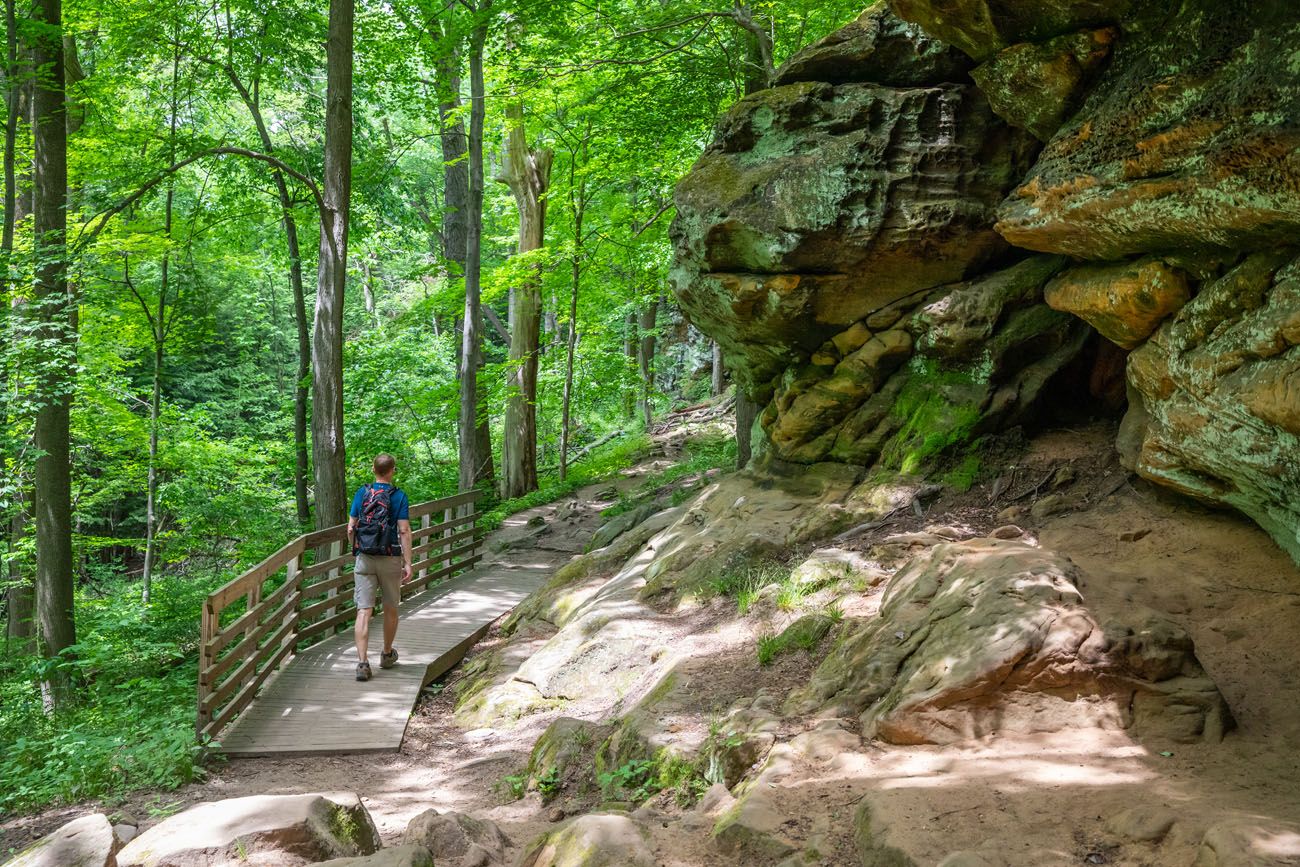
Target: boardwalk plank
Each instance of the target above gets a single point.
(314, 705)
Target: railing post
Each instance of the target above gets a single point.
(425, 523)
(293, 575)
(335, 550)
(207, 629)
(447, 516)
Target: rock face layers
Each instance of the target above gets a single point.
(818, 203)
(836, 238)
(984, 636)
(1187, 142)
(1216, 396)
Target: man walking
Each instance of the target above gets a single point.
(379, 530)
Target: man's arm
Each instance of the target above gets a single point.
(404, 530)
(352, 526)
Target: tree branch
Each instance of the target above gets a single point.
(92, 230)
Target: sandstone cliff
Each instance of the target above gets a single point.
(938, 212)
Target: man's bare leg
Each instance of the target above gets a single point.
(362, 632)
(390, 627)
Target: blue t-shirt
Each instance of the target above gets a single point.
(400, 504)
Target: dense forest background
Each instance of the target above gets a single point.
(199, 168)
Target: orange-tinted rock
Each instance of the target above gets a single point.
(1124, 301)
(1216, 396)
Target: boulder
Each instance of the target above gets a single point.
(990, 635)
(594, 840)
(1037, 86)
(452, 836)
(277, 829)
(819, 204)
(1216, 396)
(1123, 301)
(620, 524)
(84, 842)
(399, 856)
(1186, 142)
(982, 28)
(878, 47)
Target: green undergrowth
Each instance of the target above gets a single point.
(744, 581)
(132, 726)
(806, 633)
(601, 465)
(638, 780)
(708, 450)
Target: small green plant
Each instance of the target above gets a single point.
(634, 779)
(548, 784)
(343, 825)
(834, 612)
(791, 594)
(513, 785)
(745, 582)
(770, 646)
(241, 849)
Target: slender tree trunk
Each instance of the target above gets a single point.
(746, 412)
(645, 361)
(572, 345)
(329, 462)
(528, 174)
(159, 348)
(21, 597)
(470, 456)
(302, 391)
(56, 628)
(716, 385)
(19, 600)
(630, 344)
(455, 226)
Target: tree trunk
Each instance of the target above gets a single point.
(20, 598)
(716, 385)
(645, 361)
(528, 174)
(329, 462)
(630, 344)
(572, 343)
(746, 412)
(56, 628)
(11, 134)
(471, 458)
(302, 392)
(159, 347)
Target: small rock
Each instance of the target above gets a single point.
(555, 814)
(1063, 477)
(398, 856)
(451, 835)
(537, 521)
(950, 533)
(1011, 513)
(715, 801)
(1135, 535)
(1145, 823)
(125, 833)
(1052, 504)
(594, 840)
(84, 842)
(1008, 531)
(477, 856)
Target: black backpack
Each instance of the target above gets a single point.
(376, 531)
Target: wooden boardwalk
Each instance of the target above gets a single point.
(315, 705)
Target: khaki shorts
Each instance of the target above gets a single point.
(375, 572)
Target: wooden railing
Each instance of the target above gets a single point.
(302, 594)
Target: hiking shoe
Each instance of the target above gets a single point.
(388, 659)
(363, 671)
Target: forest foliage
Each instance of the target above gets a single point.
(187, 346)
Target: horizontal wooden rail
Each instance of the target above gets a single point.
(252, 625)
